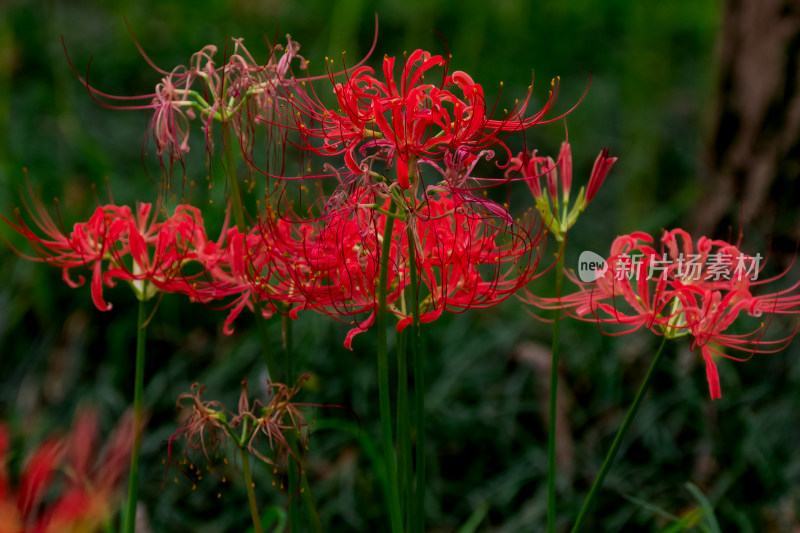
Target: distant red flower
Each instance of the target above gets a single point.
(66, 484)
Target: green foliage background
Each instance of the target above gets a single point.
(651, 68)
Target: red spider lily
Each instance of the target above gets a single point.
(553, 205)
(278, 263)
(237, 269)
(115, 244)
(346, 252)
(403, 123)
(468, 260)
(622, 293)
(464, 258)
(701, 291)
(708, 314)
(237, 91)
(89, 244)
(66, 484)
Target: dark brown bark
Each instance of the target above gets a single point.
(754, 154)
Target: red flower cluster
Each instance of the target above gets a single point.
(330, 265)
(468, 250)
(464, 258)
(682, 290)
(116, 244)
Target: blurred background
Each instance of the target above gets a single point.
(699, 100)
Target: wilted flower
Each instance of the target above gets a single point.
(209, 423)
(203, 425)
(239, 91)
(273, 419)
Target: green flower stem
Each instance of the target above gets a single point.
(551, 431)
(379, 209)
(294, 512)
(418, 508)
(233, 181)
(266, 347)
(381, 325)
(287, 337)
(404, 464)
(138, 421)
(291, 438)
(251, 492)
(609, 459)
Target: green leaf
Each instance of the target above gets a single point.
(708, 509)
(690, 519)
(273, 519)
(679, 523)
(475, 519)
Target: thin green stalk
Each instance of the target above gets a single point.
(404, 463)
(251, 492)
(418, 509)
(381, 325)
(294, 512)
(266, 348)
(138, 418)
(288, 339)
(609, 459)
(551, 430)
(233, 181)
(291, 438)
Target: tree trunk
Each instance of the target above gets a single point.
(753, 157)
